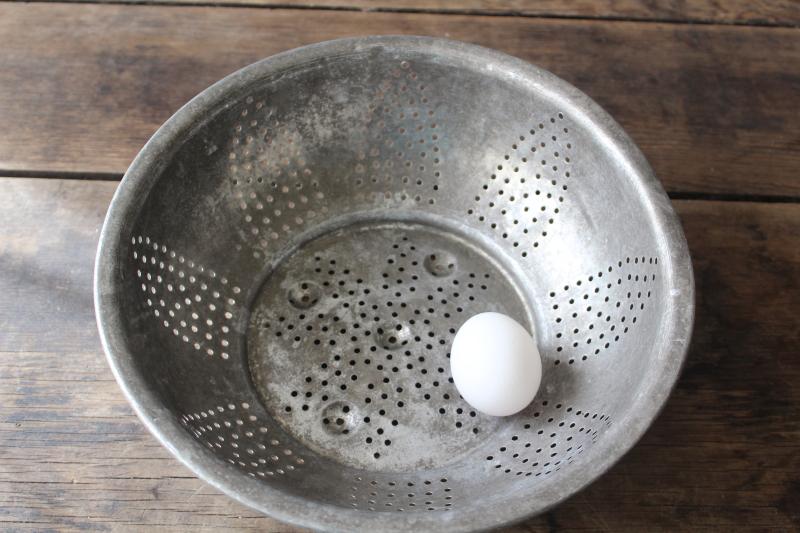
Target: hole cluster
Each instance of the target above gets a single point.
(273, 216)
(522, 197)
(401, 134)
(233, 432)
(273, 183)
(554, 437)
(192, 302)
(277, 189)
(595, 312)
(401, 495)
(263, 150)
(378, 343)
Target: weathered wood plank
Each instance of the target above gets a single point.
(72, 453)
(724, 454)
(778, 12)
(713, 107)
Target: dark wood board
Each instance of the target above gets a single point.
(82, 86)
(760, 12)
(724, 454)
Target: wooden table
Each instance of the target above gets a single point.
(710, 92)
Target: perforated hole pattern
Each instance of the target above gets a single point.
(375, 345)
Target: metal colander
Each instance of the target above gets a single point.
(286, 262)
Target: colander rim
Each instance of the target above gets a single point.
(145, 171)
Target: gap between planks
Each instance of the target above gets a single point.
(781, 19)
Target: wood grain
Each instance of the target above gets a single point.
(724, 455)
(713, 107)
(776, 12)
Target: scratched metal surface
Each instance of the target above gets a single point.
(266, 243)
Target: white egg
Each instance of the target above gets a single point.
(495, 364)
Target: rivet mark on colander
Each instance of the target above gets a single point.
(304, 294)
(393, 336)
(440, 264)
(340, 418)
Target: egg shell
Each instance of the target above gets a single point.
(495, 364)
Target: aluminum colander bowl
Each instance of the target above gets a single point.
(284, 265)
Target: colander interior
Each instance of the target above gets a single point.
(294, 252)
